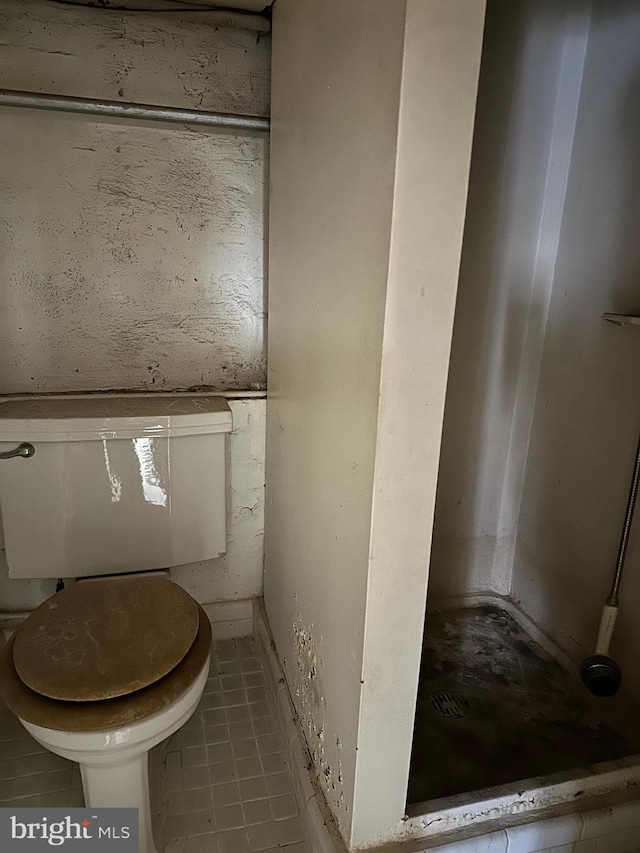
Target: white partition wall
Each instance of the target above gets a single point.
(372, 116)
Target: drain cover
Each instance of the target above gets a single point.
(449, 704)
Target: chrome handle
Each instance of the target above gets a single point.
(25, 449)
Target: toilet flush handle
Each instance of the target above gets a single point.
(25, 449)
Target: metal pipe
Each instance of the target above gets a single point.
(612, 601)
(220, 16)
(102, 395)
(144, 112)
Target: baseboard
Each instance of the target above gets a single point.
(230, 618)
(320, 829)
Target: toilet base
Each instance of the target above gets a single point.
(115, 763)
(124, 784)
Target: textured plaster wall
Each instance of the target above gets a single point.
(131, 254)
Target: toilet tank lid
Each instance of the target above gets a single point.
(88, 417)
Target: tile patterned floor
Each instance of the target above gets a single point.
(32, 776)
(225, 785)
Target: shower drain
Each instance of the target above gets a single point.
(449, 704)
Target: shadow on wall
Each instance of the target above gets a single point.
(588, 403)
(507, 173)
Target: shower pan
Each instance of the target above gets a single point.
(505, 731)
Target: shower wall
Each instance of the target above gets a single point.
(587, 408)
(542, 412)
(507, 268)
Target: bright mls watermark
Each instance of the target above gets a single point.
(69, 830)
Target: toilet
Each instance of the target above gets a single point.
(104, 494)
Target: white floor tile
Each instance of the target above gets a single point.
(262, 836)
(247, 748)
(257, 811)
(234, 739)
(290, 830)
(219, 752)
(284, 806)
(252, 789)
(229, 817)
(202, 844)
(234, 841)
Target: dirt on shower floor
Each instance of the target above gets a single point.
(494, 707)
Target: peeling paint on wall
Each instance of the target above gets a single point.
(308, 696)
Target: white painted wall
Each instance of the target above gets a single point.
(587, 411)
(336, 76)
(238, 574)
(528, 95)
(367, 208)
(132, 254)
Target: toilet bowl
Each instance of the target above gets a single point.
(104, 671)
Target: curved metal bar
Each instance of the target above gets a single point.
(25, 450)
(144, 112)
(612, 601)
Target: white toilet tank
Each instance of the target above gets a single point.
(116, 484)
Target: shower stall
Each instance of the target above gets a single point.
(452, 423)
(542, 414)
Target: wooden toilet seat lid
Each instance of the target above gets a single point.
(106, 638)
(112, 713)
